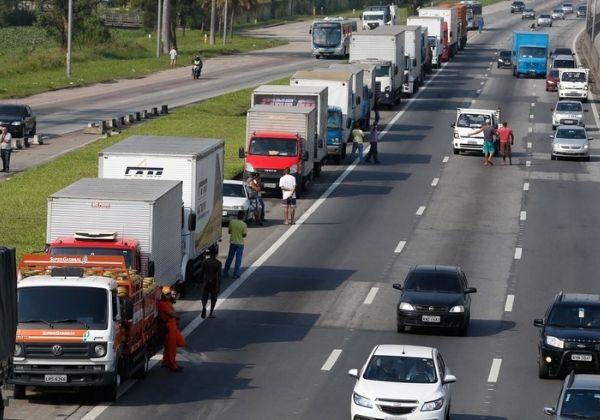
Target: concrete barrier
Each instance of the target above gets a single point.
(37, 139)
(16, 143)
(164, 109)
(138, 116)
(95, 128)
(154, 111)
(144, 114)
(122, 120)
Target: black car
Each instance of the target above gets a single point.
(581, 11)
(435, 296)
(19, 119)
(517, 7)
(569, 335)
(504, 59)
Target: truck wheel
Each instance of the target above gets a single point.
(343, 151)
(317, 170)
(20, 392)
(110, 391)
(143, 369)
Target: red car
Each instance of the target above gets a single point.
(552, 80)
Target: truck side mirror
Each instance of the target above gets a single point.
(452, 124)
(414, 62)
(358, 100)
(150, 268)
(191, 221)
(305, 156)
(241, 153)
(310, 31)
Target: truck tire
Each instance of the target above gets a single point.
(456, 151)
(19, 392)
(343, 151)
(317, 170)
(109, 393)
(145, 365)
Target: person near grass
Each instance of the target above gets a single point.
(5, 148)
(237, 233)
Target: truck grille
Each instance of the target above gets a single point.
(48, 351)
(377, 90)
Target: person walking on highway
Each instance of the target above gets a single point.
(5, 148)
(480, 25)
(173, 55)
(210, 278)
(173, 337)
(376, 112)
(507, 138)
(253, 185)
(358, 140)
(373, 141)
(237, 233)
(287, 183)
(488, 141)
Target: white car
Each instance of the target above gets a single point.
(402, 382)
(236, 198)
(570, 141)
(568, 112)
(567, 8)
(558, 14)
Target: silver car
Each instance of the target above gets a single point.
(567, 8)
(570, 141)
(581, 11)
(528, 14)
(567, 112)
(578, 398)
(236, 198)
(544, 20)
(558, 14)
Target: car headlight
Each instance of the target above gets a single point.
(555, 146)
(387, 88)
(335, 140)
(585, 146)
(248, 167)
(99, 350)
(585, 86)
(555, 342)
(456, 135)
(405, 306)
(18, 350)
(15, 123)
(362, 401)
(457, 308)
(433, 405)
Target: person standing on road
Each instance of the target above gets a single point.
(253, 185)
(507, 138)
(376, 112)
(481, 25)
(287, 183)
(173, 337)
(358, 140)
(488, 141)
(173, 55)
(373, 141)
(237, 233)
(5, 148)
(210, 278)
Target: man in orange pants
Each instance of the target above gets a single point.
(173, 337)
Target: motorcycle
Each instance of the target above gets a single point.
(257, 210)
(196, 70)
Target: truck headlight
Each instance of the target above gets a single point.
(456, 135)
(433, 405)
(405, 306)
(18, 350)
(555, 342)
(334, 140)
(248, 167)
(294, 169)
(362, 401)
(99, 350)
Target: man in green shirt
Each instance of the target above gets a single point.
(237, 233)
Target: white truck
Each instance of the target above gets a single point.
(358, 88)
(387, 45)
(573, 83)
(8, 320)
(378, 15)
(148, 212)
(434, 35)
(367, 96)
(450, 16)
(198, 164)
(413, 67)
(467, 121)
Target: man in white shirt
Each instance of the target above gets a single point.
(5, 148)
(287, 183)
(173, 54)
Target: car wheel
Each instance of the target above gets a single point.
(463, 330)
(587, 158)
(33, 130)
(400, 328)
(456, 151)
(543, 370)
(498, 65)
(553, 127)
(552, 157)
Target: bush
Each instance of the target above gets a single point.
(17, 18)
(93, 32)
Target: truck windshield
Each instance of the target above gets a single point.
(327, 34)
(569, 76)
(94, 251)
(373, 16)
(533, 52)
(471, 120)
(382, 71)
(80, 307)
(432, 40)
(273, 147)
(334, 120)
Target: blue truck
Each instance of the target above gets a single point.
(530, 53)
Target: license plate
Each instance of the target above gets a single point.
(55, 378)
(394, 418)
(472, 142)
(569, 121)
(270, 185)
(430, 318)
(581, 357)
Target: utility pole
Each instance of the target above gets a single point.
(158, 26)
(225, 23)
(213, 16)
(69, 37)
(594, 22)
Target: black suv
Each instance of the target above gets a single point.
(19, 119)
(569, 335)
(578, 398)
(517, 7)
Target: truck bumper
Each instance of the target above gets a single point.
(335, 149)
(75, 376)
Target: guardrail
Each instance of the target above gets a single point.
(111, 127)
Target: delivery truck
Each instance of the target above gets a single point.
(85, 322)
(450, 17)
(198, 164)
(414, 73)
(279, 138)
(137, 219)
(367, 98)
(463, 28)
(437, 36)
(8, 317)
(530, 53)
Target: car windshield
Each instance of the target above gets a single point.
(273, 147)
(552, 73)
(471, 120)
(569, 107)
(528, 11)
(11, 110)
(571, 316)
(504, 54)
(559, 11)
(544, 16)
(401, 369)
(582, 8)
(562, 51)
(581, 403)
(565, 64)
(572, 76)
(233, 190)
(433, 282)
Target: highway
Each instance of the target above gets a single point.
(316, 297)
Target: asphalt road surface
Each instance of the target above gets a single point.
(316, 297)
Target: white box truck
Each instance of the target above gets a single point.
(450, 16)
(198, 164)
(367, 97)
(385, 44)
(301, 96)
(142, 217)
(434, 25)
(413, 66)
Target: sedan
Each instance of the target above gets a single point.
(570, 141)
(567, 8)
(544, 20)
(504, 59)
(581, 11)
(517, 6)
(567, 113)
(552, 80)
(528, 14)
(19, 119)
(558, 14)
(402, 382)
(435, 296)
(561, 51)
(236, 198)
(578, 398)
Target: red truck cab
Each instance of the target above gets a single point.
(445, 49)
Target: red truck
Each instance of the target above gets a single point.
(461, 11)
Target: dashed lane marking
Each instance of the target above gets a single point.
(528, 163)
(526, 186)
(331, 360)
(523, 216)
(518, 253)
(435, 182)
(400, 247)
(421, 210)
(530, 129)
(529, 144)
(510, 300)
(371, 295)
(531, 116)
(494, 370)
(446, 159)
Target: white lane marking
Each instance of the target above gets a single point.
(533, 104)
(531, 116)
(523, 216)
(446, 159)
(481, 83)
(518, 253)
(400, 247)
(528, 163)
(510, 300)
(534, 85)
(478, 90)
(331, 359)
(489, 68)
(435, 182)
(530, 129)
(371, 295)
(421, 210)
(526, 186)
(485, 75)
(494, 370)
(529, 144)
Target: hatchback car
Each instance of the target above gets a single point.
(557, 14)
(567, 8)
(569, 334)
(236, 198)
(561, 51)
(552, 79)
(579, 398)
(563, 62)
(567, 112)
(544, 20)
(435, 296)
(581, 11)
(402, 382)
(570, 141)
(504, 59)
(528, 14)
(517, 7)
(19, 119)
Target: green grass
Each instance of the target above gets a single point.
(34, 64)
(24, 196)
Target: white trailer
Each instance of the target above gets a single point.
(386, 44)
(413, 68)
(367, 96)
(450, 16)
(147, 211)
(434, 35)
(358, 88)
(198, 164)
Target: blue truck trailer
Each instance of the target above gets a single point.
(530, 53)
